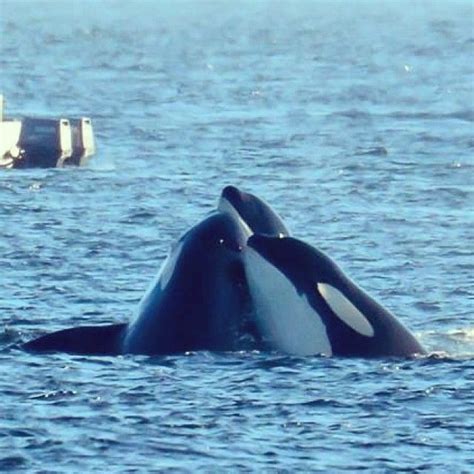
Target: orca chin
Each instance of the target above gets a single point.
(304, 304)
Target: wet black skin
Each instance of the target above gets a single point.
(204, 306)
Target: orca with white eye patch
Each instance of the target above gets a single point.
(304, 304)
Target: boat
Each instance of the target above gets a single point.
(37, 142)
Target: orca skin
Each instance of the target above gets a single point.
(253, 213)
(86, 340)
(199, 301)
(199, 298)
(237, 281)
(304, 304)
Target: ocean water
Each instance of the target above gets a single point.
(354, 120)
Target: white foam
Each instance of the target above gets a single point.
(345, 310)
(285, 317)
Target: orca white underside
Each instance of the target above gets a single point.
(167, 269)
(159, 284)
(286, 319)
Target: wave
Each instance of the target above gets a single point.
(457, 343)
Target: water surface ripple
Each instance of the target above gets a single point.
(354, 120)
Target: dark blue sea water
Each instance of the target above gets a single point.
(353, 119)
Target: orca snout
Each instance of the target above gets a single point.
(242, 202)
(231, 193)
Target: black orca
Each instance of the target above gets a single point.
(198, 302)
(305, 304)
(253, 213)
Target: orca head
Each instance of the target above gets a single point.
(349, 317)
(356, 324)
(254, 214)
(218, 234)
(199, 294)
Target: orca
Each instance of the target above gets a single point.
(199, 301)
(305, 304)
(254, 214)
